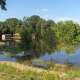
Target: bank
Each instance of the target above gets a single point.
(17, 71)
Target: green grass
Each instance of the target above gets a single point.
(74, 73)
(9, 72)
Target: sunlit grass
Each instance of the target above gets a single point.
(15, 71)
(8, 72)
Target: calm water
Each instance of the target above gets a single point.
(59, 57)
(6, 58)
(63, 57)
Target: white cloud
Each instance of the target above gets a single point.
(44, 10)
(45, 16)
(67, 18)
(41, 11)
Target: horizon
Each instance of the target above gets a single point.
(56, 10)
(43, 18)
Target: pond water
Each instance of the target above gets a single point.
(58, 57)
(63, 57)
(6, 58)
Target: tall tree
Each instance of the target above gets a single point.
(13, 24)
(39, 34)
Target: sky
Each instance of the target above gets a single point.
(48, 9)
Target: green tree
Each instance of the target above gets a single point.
(48, 39)
(40, 34)
(67, 33)
(31, 25)
(14, 25)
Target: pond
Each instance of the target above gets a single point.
(4, 57)
(63, 57)
(58, 57)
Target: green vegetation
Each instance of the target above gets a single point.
(40, 36)
(13, 71)
(10, 73)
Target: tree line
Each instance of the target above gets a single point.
(40, 35)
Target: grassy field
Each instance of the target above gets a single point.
(16, 71)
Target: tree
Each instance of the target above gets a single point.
(48, 39)
(31, 26)
(67, 33)
(14, 25)
(2, 4)
(39, 34)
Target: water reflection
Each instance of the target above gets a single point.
(6, 58)
(58, 56)
(63, 57)
(75, 58)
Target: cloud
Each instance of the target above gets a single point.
(44, 10)
(46, 17)
(41, 11)
(67, 18)
(57, 19)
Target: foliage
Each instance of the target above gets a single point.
(39, 33)
(40, 36)
(67, 34)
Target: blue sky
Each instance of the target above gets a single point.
(48, 9)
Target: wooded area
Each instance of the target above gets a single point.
(40, 35)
